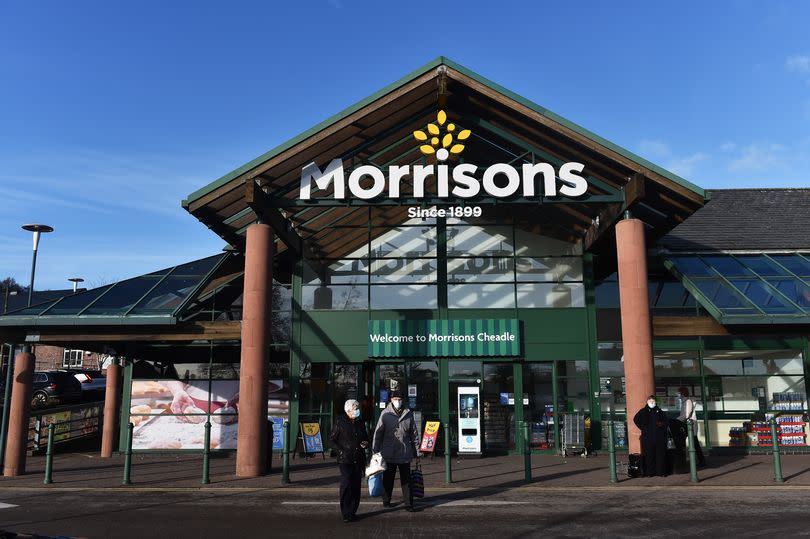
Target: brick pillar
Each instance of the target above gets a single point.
(252, 443)
(636, 325)
(19, 411)
(112, 409)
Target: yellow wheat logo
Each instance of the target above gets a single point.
(440, 145)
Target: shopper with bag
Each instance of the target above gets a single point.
(397, 438)
(654, 433)
(688, 412)
(350, 439)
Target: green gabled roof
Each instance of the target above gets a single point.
(441, 60)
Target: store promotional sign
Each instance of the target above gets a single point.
(469, 420)
(429, 437)
(441, 139)
(311, 433)
(444, 338)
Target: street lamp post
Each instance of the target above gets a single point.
(75, 281)
(37, 229)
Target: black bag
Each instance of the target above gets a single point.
(635, 465)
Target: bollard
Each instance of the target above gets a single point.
(206, 479)
(690, 440)
(612, 452)
(49, 456)
(285, 460)
(448, 464)
(128, 456)
(777, 458)
(527, 453)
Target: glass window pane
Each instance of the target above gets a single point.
(762, 265)
(33, 310)
(335, 297)
(197, 267)
(282, 297)
(403, 270)
(412, 296)
(532, 244)
(797, 291)
(481, 296)
(727, 266)
(487, 240)
(168, 295)
(75, 303)
(764, 297)
(549, 269)
(692, 266)
(794, 263)
(549, 295)
(673, 294)
(753, 362)
(676, 363)
(414, 241)
(724, 297)
(480, 270)
(337, 271)
(122, 296)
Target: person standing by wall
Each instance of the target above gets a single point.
(350, 439)
(653, 424)
(397, 438)
(688, 411)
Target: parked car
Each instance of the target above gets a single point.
(93, 383)
(55, 387)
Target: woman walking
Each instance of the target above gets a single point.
(396, 437)
(350, 439)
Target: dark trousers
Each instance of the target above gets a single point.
(655, 458)
(404, 480)
(350, 475)
(701, 460)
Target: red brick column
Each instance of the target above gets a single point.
(112, 409)
(636, 324)
(19, 411)
(252, 443)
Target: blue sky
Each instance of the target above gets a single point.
(111, 112)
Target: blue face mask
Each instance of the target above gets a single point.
(355, 414)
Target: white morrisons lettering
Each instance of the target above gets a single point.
(499, 180)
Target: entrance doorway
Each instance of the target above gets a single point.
(417, 381)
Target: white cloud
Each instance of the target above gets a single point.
(654, 149)
(728, 146)
(759, 157)
(798, 64)
(685, 166)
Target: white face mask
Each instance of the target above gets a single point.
(397, 404)
(651, 405)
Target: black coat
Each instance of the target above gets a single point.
(653, 424)
(347, 434)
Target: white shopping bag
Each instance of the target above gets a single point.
(376, 465)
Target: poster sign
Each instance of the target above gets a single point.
(444, 338)
(311, 433)
(278, 432)
(469, 420)
(429, 438)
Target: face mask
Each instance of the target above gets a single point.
(397, 404)
(355, 414)
(651, 405)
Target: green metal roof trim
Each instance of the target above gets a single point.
(747, 288)
(441, 60)
(156, 298)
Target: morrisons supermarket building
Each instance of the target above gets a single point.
(489, 259)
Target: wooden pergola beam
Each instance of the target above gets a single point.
(184, 331)
(633, 192)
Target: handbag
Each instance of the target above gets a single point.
(375, 486)
(376, 465)
(417, 482)
(670, 440)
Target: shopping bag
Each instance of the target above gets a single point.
(376, 465)
(375, 486)
(417, 482)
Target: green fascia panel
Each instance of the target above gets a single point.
(441, 60)
(67, 321)
(754, 343)
(550, 326)
(334, 328)
(338, 354)
(554, 351)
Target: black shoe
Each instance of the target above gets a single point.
(347, 519)
(410, 509)
(386, 504)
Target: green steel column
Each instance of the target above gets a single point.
(6, 404)
(285, 460)
(612, 451)
(777, 457)
(448, 464)
(690, 440)
(49, 456)
(527, 452)
(128, 456)
(206, 479)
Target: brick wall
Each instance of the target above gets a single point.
(51, 357)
